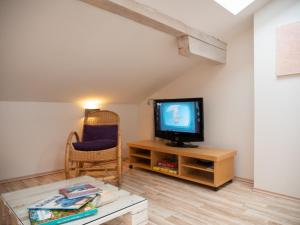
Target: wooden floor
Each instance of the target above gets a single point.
(173, 201)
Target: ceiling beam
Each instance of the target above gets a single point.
(188, 46)
(150, 17)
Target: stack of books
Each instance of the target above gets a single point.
(166, 166)
(69, 204)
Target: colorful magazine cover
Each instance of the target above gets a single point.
(54, 216)
(78, 190)
(58, 201)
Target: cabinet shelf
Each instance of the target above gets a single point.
(142, 165)
(140, 155)
(198, 167)
(198, 179)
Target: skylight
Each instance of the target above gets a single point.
(234, 6)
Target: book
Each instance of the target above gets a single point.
(55, 216)
(79, 190)
(59, 201)
(168, 163)
(165, 170)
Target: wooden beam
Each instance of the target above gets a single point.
(188, 46)
(150, 17)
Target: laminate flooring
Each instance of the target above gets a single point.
(176, 202)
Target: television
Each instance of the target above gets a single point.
(179, 120)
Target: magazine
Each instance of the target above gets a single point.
(78, 190)
(54, 216)
(59, 201)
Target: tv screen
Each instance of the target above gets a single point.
(179, 120)
(178, 117)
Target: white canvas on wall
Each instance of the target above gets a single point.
(288, 49)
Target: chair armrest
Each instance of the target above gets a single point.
(71, 135)
(68, 150)
(119, 159)
(120, 145)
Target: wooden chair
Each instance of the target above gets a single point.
(107, 160)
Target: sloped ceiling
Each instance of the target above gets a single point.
(64, 51)
(207, 15)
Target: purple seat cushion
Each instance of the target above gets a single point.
(98, 132)
(95, 145)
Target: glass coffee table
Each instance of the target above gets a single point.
(114, 203)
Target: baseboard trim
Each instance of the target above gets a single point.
(31, 176)
(274, 194)
(244, 180)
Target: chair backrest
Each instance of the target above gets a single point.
(102, 117)
(101, 124)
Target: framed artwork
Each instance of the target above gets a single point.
(288, 49)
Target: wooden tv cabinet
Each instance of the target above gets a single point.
(209, 166)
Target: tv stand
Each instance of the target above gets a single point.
(179, 144)
(209, 166)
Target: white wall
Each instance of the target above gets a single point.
(33, 134)
(228, 101)
(277, 106)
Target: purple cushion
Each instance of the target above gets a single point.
(95, 145)
(97, 132)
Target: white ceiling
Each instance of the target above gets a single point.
(65, 51)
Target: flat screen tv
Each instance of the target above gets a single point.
(179, 120)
